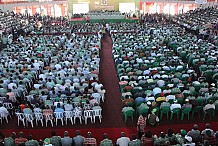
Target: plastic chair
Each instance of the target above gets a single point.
(68, 115)
(209, 112)
(197, 109)
(59, 116)
(9, 107)
(38, 117)
(142, 111)
(48, 117)
(3, 116)
(88, 114)
(164, 110)
(77, 114)
(175, 111)
(29, 118)
(128, 114)
(97, 113)
(185, 111)
(20, 117)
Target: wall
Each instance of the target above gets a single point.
(11, 7)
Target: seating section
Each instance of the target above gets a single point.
(168, 69)
(160, 66)
(51, 78)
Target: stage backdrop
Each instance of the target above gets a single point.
(101, 5)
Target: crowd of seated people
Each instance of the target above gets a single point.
(13, 25)
(55, 71)
(200, 21)
(164, 65)
(78, 15)
(206, 137)
(160, 66)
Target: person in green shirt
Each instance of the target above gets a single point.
(9, 141)
(135, 141)
(106, 141)
(55, 140)
(31, 141)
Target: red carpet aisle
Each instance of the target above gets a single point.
(108, 76)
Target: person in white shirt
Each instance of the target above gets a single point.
(160, 83)
(3, 110)
(210, 105)
(96, 96)
(175, 105)
(170, 97)
(156, 91)
(123, 140)
(68, 106)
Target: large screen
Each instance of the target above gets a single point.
(126, 7)
(80, 8)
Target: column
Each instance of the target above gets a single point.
(62, 6)
(33, 10)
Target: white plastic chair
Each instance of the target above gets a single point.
(9, 107)
(4, 116)
(97, 113)
(38, 110)
(38, 117)
(77, 114)
(20, 117)
(68, 115)
(87, 106)
(29, 118)
(59, 116)
(48, 117)
(88, 115)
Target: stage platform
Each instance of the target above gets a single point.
(105, 17)
(105, 20)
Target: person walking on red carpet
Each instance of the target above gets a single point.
(141, 124)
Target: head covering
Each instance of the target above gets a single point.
(47, 141)
(183, 132)
(148, 103)
(154, 110)
(188, 138)
(187, 100)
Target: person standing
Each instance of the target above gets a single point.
(66, 141)
(123, 140)
(78, 139)
(20, 140)
(141, 124)
(135, 141)
(55, 140)
(89, 140)
(106, 141)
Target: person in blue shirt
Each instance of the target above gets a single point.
(58, 108)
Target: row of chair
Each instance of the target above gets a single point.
(177, 111)
(66, 115)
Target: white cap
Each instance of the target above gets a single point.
(148, 103)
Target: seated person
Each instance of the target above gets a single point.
(210, 105)
(27, 110)
(68, 106)
(58, 108)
